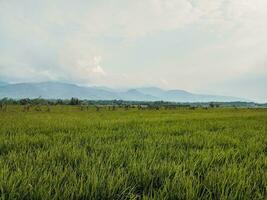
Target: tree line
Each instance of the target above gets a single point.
(141, 104)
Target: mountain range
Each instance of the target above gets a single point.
(58, 90)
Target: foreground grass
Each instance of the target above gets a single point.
(167, 154)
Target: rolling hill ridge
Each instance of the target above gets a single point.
(57, 90)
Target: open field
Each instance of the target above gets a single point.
(131, 154)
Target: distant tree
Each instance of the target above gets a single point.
(59, 102)
(74, 101)
(24, 101)
(212, 105)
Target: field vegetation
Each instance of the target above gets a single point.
(88, 152)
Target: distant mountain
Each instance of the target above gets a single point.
(153, 91)
(53, 90)
(136, 95)
(2, 83)
(56, 90)
(184, 96)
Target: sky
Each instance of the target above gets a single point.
(203, 46)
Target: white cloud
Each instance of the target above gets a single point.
(164, 82)
(99, 70)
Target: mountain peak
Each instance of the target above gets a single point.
(55, 90)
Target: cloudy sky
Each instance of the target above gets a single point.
(204, 46)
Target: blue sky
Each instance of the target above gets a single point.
(214, 47)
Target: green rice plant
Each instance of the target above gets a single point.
(139, 154)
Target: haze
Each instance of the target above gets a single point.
(213, 47)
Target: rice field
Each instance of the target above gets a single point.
(69, 153)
